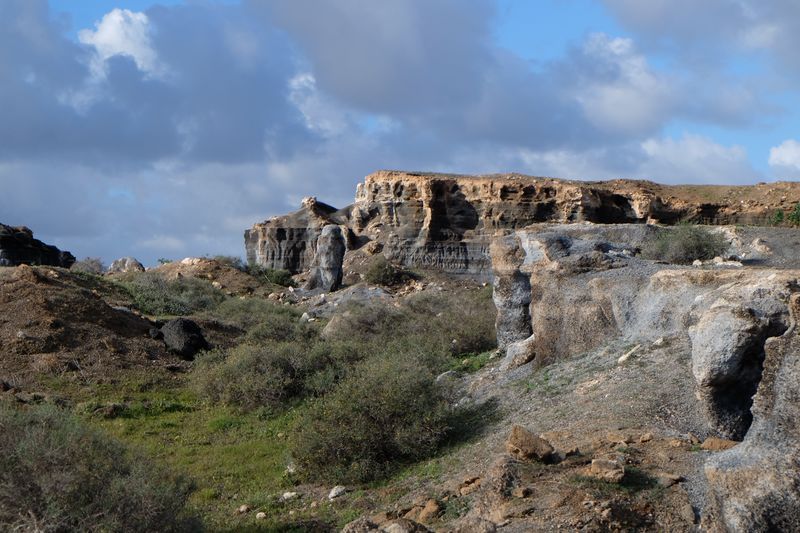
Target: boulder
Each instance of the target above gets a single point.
(519, 353)
(608, 470)
(753, 486)
(524, 445)
(184, 337)
(326, 268)
(337, 491)
(360, 525)
(403, 525)
(124, 265)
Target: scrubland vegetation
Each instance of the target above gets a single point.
(685, 243)
(356, 404)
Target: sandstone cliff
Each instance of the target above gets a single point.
(445, 221)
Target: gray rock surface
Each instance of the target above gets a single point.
(326, 268)
(732, 325)
(754, 486)
(511, 292)
(124, 265)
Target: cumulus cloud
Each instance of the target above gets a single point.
(785, 159)
(696, 159)
(123, 32)
(169, 131)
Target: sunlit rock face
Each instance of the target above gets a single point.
(446, 222)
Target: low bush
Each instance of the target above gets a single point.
(275, 276)
(153, 294)
(58, 475)
(247, 313)
(383, 272)
(389, 410)
(231, 261)
(89, 265)
(252, 376)
(686, 243)
(794, 216)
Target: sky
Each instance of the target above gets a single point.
(165, 128)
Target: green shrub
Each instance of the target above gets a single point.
(231, 261)
(89, 265)
(389, 410)
(794, 216)
(58, 475)
(251, 376)
(275, 276)
(250, 312)
(382, 272)
(685, 243)
(155, 295)
(778, 218)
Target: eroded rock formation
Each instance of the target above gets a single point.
(326, 267)
(446, 221)
(18, 246)
(755, 485)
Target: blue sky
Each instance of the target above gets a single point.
(165, 128)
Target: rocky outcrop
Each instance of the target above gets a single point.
(326, 267)
(17, 247)
(588, 288)
(289, 242)
(446, 221)
(125, 265)
(731, 327)
(754, 486)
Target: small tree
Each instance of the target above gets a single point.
(778, 218)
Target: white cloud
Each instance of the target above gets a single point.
(785, 159)
(123, 32)
(695, 159)
(634, 99)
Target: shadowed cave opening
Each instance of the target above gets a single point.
(731, 399)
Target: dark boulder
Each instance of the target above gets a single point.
(184, 337)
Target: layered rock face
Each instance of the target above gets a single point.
(17, 246)
(289, 242)
(446, 221)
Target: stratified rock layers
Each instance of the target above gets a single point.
(446, 221)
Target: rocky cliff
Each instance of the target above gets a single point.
(446, 221)
(17, 246)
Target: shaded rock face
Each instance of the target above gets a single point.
(511, 292)
(728, 350)
(754, 486)
(446, 222)
(289, 242)
(326, 267)
(17, 246)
